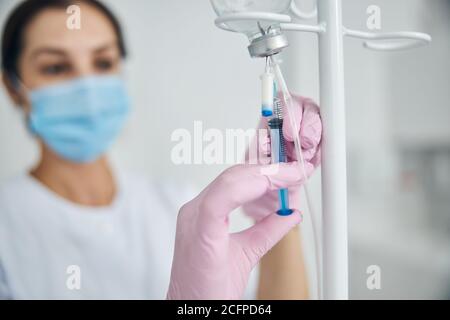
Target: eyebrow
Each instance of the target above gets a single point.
(106, 47)
(62, 52)
(48, 50)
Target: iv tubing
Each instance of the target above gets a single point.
(289, 106)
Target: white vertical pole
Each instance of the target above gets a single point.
(334, 173)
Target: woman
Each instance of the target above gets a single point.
(75, 228)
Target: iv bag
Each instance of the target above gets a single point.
(250, 28)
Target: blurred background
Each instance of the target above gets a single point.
(182, 69)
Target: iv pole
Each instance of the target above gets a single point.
(332, 101)
(334, 163)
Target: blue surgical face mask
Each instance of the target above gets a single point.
(79, 119)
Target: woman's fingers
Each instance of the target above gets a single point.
(317, 159)
(306, 115)
(307, 118)
(311, 126)
(258, 151)
(297, 113)
(245, 183)
(260, 238)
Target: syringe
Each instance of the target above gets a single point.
(272, 109)
(278, 154)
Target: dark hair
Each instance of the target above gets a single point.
(21, 16)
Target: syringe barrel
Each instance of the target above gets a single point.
(277, 140)
(278, 154)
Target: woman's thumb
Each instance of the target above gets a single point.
(261, 237)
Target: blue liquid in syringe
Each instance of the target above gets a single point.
(279, 155)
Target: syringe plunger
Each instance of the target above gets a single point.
(267, 94)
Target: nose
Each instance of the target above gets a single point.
(83, 65)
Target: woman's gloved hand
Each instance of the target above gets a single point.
(209, 262)
(307, 116)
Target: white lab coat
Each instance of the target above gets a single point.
(51, 248)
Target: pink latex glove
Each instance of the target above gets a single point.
(310, 125)
(209, 262)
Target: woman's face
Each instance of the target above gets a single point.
(52, 52)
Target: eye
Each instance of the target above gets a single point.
(56, 69)
(104, 64)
